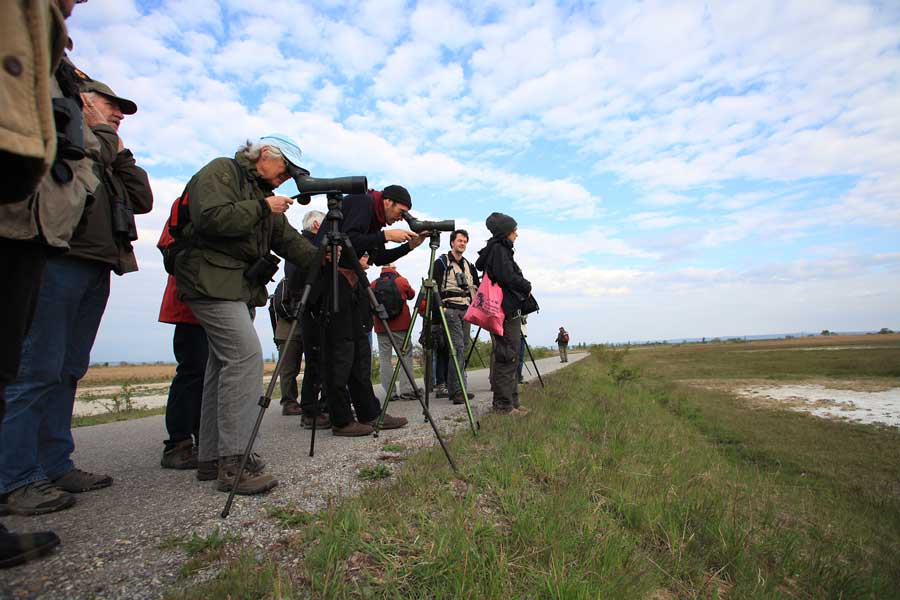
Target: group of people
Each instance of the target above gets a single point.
(71, 191)
(67, 222)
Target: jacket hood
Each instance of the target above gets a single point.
(250, 166)
(486, 251)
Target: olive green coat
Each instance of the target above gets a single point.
(231, 227)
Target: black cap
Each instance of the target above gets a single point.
(398, 194)
(500, 225)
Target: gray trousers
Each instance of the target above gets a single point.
(385, 352)
(563, 353)
(459, 336)
(505, 359)
(232, 384)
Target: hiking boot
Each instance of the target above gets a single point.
(502, 411)
(207, 470)
(291, 408)
(38, 498)
(182, 455)
(458, 397)
(77, 481)
(410, 396)
(251, 482)
(389, 422)
(520, 411)
(322, 422)
(17, 549)
(352, 429)
(440, 391)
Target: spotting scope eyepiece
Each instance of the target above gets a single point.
(312, 186)
(418, 226)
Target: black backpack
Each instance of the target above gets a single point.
(388, 294)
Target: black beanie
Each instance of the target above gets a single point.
(398, 194)
(500, 225)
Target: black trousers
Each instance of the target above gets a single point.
(505, 359)
(21, 268)
(186, 391)
(347, 358)
(311, 388)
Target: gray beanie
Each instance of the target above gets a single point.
(500, 225)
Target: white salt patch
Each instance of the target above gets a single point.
(861, 407)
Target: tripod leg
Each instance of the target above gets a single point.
(481, 360)
(527, 347)
(472, 348)
(266, 399)
(459, 375)
(396, 374)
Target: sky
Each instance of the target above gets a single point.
(676, 169)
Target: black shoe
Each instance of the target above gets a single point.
(17, 549)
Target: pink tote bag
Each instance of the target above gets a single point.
(486, 309)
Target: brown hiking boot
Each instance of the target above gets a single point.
(389, 422)
(19, 548)
(38, 498)
(207, 470)
(520, 411)
(251, 481)
(352, 429)
(291, 408)
(322, 422)
(77, 481)
(182, 455)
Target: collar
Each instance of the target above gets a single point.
(253, 174)
(378, 216)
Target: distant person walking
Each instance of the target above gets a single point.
(562, 338)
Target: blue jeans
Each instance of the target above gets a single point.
(37, 431)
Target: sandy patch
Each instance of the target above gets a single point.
(860, 401)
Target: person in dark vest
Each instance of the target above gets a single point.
(399, 325)
(496, 259)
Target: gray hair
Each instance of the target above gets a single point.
(310, 218)
(253, 150)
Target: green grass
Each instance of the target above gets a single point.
(201, 550)
(396, 448)
(289, 516)
(113, 416)
(375, 472)
(651, 489)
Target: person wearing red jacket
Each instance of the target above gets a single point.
(186, 391)
(399, 326)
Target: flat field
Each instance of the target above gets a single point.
(630, 478)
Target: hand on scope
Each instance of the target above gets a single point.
(417, 241)
(279, 204)
(399, 235)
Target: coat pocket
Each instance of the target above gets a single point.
(222, 276)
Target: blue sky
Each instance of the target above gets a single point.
(682, 169)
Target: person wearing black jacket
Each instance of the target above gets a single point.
(496, 259)
(346, 348)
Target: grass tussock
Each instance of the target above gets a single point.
(612, 488)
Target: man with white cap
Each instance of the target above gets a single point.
(235, 223)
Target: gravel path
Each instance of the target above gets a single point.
(112, 537)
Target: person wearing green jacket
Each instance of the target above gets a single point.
(236, 221)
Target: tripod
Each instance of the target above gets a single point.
(335, 244)
(472, 348)
(429, 292)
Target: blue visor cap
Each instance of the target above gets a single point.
(289, 149)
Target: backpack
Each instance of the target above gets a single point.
(565, 338)
(388, 294)
(172, 241)
(282, 306)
